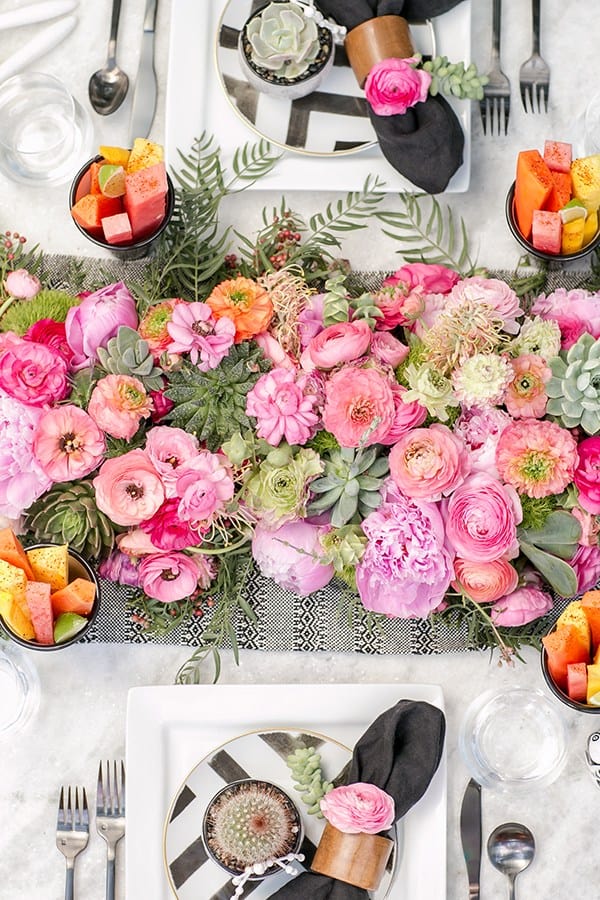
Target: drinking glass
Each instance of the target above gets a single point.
(19, 689)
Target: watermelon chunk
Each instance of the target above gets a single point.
(558, 156)
(37, 595)
(563, 647)
(146, 199)
(117, 229)
(11, 551)
(577, 679)
(78, 597)
(91, 209)
(546, 231)
(533, 184)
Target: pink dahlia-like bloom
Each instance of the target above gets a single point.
(525, 396)
(405, 569)
(433, 278)
(393, 86)
(118, 404)
(481, 519)
(480, 429)
(194, 330)
(575, 312)
(521, 606)
(586, 564)
(310, 320)
(97, 319)
(590, 527)
(359, 808)
(168, 449)
(167, 531)
(291, 556)
(359, 406)
(429, 463)
(587, 474)
(282, 409)
(128, 488)
(538, 458)
(340, 343)
(68, 444)
(51, 333)
(22, 479)
(22, 284)
(398, 305)
(204, 486)
(168, 577)
(408, 415)
(35, 374)
(494, 293)
(388, 349)
(485, 582)
(119, 567)
(153, 328)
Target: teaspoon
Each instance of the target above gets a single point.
(108, 86)
(511, 848)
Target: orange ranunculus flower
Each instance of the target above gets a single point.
(246, 303)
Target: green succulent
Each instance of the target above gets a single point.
(305, 766)
(352, 483)
(67, 514)
(129, 354)
(454, 80)
(283, 40)
(574, 389)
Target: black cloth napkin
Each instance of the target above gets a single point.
(400, 753)
(426, 143)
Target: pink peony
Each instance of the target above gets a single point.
(128, 488)
(168, 449)
(480, 429)
(68, 444)
(388, 349)
(575, 311)
(22, 479)
(167, 531)
(168, 577)
(587, 474)
(33, 373)
(359, 808)
(22, 285)
(118, 404)
(586, 564)
(291, 555)
(281, 408)
(429, 463)
(481, 519)
(393, 86)
(97, 319)
(521, 606)
(359, 406)
(538, 458)
(51, 333)
(526, 395)
(485, 582)
(204, 486)
(407, 415)
(433, 278)
(194, 330)
(494, 293)
(340, 343)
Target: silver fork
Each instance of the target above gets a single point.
(110, 815)
(534, 74)
(72, 830)
(495, 105)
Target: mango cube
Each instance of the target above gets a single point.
(143, 154)
(591, 227)
(51, 564)
(585, 174)
(574, 615)
(15, 617)
(572, 235)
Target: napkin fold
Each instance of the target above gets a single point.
(426, 143)
(400, 753)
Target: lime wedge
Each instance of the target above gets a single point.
(594, 700)
(570, 213)
(111, 180)
(67, 625)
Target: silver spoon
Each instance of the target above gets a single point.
(108, 86)
(511, 848)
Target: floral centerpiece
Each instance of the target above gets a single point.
(432, 444)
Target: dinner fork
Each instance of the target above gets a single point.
(72, 830)
(534, 75)
(110, 816)
(495, 105)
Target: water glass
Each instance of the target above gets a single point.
(19, 689)
(45, 133)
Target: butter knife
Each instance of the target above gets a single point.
(470, 833)
(146, 89)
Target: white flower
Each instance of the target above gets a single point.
(482, 380)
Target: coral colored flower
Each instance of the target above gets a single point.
(33, 373)
(538, 458)
(51, 333)
(359, 808)
(521, 606)
(433, 278)
(154, 327)
(68, 444)
(429, 463)
(587, 474)
(168, 577)
(480, 428)
(526, 396)
(128, 488)
(167, 531)
(22, 479)
(481, 519)
(97, 319)
(193, 329)
(281, 408)
(575, 311)
(204, 485)
(22, 285)
(393, 86)
(118, 404)
(586, 564)
(485, 582)
(291, 555)
(494, 293)
(408, 415)
(168, 449)
(359, 406)
(398, 305)
(388, 349)
(246, 303)
(340, 343)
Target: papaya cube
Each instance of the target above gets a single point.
(585, 174)
(561, 191)
(77, 597)
(11, 551)
(591, 227)
(533, 184)
(577, 681)
(563, 647)
(590, 604)
(572, 235)
(117, 229)
(145, 199)
(546, 231)
(91, 209)
(558, 156)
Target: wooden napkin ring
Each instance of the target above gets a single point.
(358, 859)
(382, 37)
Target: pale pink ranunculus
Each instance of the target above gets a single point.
(204, 486)
(169, 448)
(118, 404)
(167, 531)
(68, 444)
(359, 808)
(429, 463)
(434, 305)
(481, 519)
(22, 285)
(495, 293)
(521, 606)
(480, 428)
(97, 319)
(526, 394)
(168, 577)
(128, 488)
(282, 409)
(393, 85)
(575, 311)
(485, 582)
(33, 373)
(590, 527)
(340, 343)
(22, 479)
(290, 555)
(273, 351)
(407, 416)
(359, 406)
(586, 565)
(587, 474)
(433, 278)
(388, 349)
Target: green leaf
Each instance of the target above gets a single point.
(559, 575)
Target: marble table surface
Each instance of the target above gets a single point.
(84, 688)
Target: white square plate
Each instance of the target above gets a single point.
(169, 729)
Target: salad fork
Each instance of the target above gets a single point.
(534, 75)
(110, 815)
(495, 105)
(72, 830)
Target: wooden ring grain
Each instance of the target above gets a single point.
(382, 37)
(358, 859)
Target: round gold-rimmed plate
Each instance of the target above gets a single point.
(260, 755)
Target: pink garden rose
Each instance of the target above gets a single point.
(521, 606)
(290, 555)
(118, 404)
(22, 285)
(340, 343)
(168, 449)
(33, 373)
(128, 488)
(481, 519)
(273, 351)
(136, 543)
(97, 319)
(359, 406)
(22, 479)
(204, 486)
(388, 349)
(494, 293)
(433, 278)
(428, 463)
(575, 311)
(68, 444)
(485, 582)
(282, 409)
(359, 808)
(169, 576)
(587, 474)
(393, 86)
(480, 428)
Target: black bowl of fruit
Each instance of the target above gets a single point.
(49, 594)
(571, 655)
(552, 206)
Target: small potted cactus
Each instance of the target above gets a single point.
(286, 49)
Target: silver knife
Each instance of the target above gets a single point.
(470, 833)
(146, 88)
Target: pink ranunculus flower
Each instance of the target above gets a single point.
(429, 463)
(33, 373)
(97, 319)
(526, 395)
(495, 293)
(169, 448)
(22, 479)
(194, 330)
(204, 486)
(485, 582)
(128, 488)
(433, 278)
(168, 577)
(167, 531)
(68, 444)
(434, 305)
(359, 406)
(521, 606)
(481, 519)
(575, 311)
(51, 333)
(340, 343)
(536, 457)
(398, 305)
(408, 415)
(136, 543)
(393, 85)
(22, 284)
(587, 474)
(118, 404)
(282, 409)
(273, 351)
(359, 808)
(310, 319)
(388, 349)
(291, 556)
(586, 564)
(590, 527)
(480, 428)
